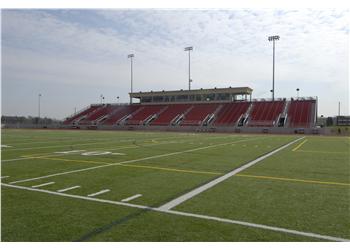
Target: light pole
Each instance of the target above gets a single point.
(39, 97)
(101, 98)
(189, 49)
(298, 93)
(118, 99)
(131, 56)
(273, 39)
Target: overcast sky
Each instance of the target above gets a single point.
(73, 56)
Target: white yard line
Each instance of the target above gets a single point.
(67, 189)
(3, 177)
(132, 197)
(199, 216)
(171, 204)
(131, 161)
(43, 185)
(98, 193)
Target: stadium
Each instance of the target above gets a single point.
(196, 165)
(221, 110)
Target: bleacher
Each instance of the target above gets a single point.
(198, 113)
(173, 111)
(80, 114)
(300, 113)
(96, 114)
(145, 112)
(265, 113)
(118, 113)
(294, 113)
(230, 113)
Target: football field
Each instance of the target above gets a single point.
(80, 185)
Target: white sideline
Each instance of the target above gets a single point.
(130, 161)
(171, 204)
(43, 185)
(67, 189)
(132, 197)
(98, 193)
(242, 223)
(3, 177)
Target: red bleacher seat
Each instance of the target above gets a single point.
(198, 113)
(300, 113)
(87, 111)
(145, 112)
(230, 113)
(98, 113)
(265, 113)
(170, 113)
(119, 112)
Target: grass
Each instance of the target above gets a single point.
(307, 189)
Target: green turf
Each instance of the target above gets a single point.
(165, 166)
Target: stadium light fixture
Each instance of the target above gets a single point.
(101, 98)
(131, 56)
(189, 49)
(298, 93)
(273, 39)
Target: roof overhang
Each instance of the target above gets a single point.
(233, 91)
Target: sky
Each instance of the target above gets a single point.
(72, 56)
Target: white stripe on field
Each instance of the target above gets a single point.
(130, 161)
(67, 189)
(3, 177)
(98, 193)
(243, 223)
(43, 185)
(171, 204)
(132, 197)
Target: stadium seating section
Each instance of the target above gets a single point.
(144, 113)
(265, 114)
(81, 114)
(173, 111)
(300, 113)
(297, 113)
(198, 113)
(230, 113)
